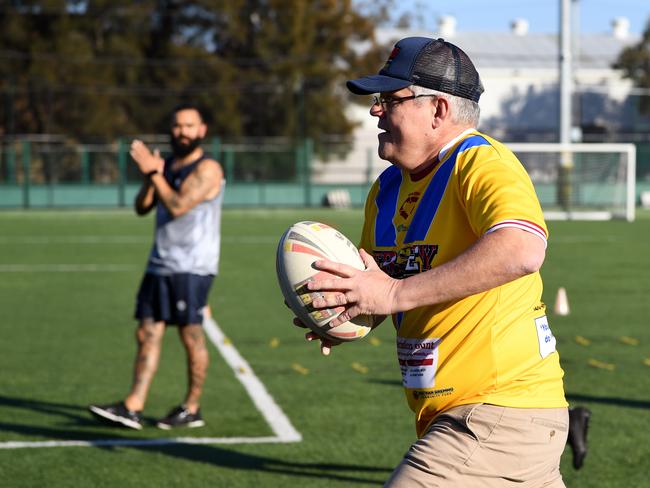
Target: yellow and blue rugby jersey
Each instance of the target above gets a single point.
(492, 347)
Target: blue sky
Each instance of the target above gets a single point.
(542, 15)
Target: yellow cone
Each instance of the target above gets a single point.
(561, 302)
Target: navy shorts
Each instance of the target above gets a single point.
(175, 299)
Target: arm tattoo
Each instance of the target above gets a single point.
(192, 192)
(196, 187)
(174, 201)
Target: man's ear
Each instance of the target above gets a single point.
(439, 111)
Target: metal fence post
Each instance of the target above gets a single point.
(11, 163)
(27, 158)
(121, 169)
(216, 148)
(307, 162)
(229, 161)
(300, 177)
(85, 163)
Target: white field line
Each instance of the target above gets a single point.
(122, 239)
(142, 442)
(65, 268)
(95, 240)
(239, 240)
(583, 239)
(272, 413)
(264, 402)
(88, 239)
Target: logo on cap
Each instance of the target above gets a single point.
(392, 56)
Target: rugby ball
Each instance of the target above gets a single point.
(300, 246)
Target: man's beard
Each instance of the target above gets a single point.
(182, 148)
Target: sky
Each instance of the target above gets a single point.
(594, 16)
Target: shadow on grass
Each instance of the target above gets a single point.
(386, 382)
(74, 413)
(619, 402)
(573, 398)
(78, 416)
(227, 458)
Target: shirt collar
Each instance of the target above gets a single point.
(443, 152)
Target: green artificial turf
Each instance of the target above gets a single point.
(67, 286)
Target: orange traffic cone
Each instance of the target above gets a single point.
(561, 302)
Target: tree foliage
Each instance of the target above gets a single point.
(635, 63)
(98, 69)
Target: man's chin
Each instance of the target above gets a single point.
(181, 148)
(182, 153)
(384, 151)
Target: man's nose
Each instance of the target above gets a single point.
(376, 110)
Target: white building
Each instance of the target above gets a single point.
(520, 74)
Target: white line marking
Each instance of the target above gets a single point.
(264, 402)
(144, 442)
(272, 413)
(124, 239)
(112, 239)
(65, 268)
(583, 239)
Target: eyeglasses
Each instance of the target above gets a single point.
(387, 102)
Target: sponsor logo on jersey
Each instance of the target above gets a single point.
(408, 205)
(408, 261)
(420, 394)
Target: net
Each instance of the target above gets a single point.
(581, 181)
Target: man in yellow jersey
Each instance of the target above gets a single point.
(453, 240)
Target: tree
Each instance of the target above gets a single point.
(99, 69)
(293, 57)
(635, 63)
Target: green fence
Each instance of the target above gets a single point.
(51, 172)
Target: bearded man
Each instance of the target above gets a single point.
(186, 190)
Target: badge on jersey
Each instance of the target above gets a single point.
(418, 361)
(545, 337)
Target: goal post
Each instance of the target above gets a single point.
(582, 181)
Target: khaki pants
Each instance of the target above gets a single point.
(481, 445)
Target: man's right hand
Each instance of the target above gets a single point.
(145, 159)
(326, 345)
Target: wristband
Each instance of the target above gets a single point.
(151, 173)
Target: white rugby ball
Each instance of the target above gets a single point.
(301, 245)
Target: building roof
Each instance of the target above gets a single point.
(531, 50)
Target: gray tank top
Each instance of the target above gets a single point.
(189, 243)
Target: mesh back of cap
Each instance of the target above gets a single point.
(444, 67)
